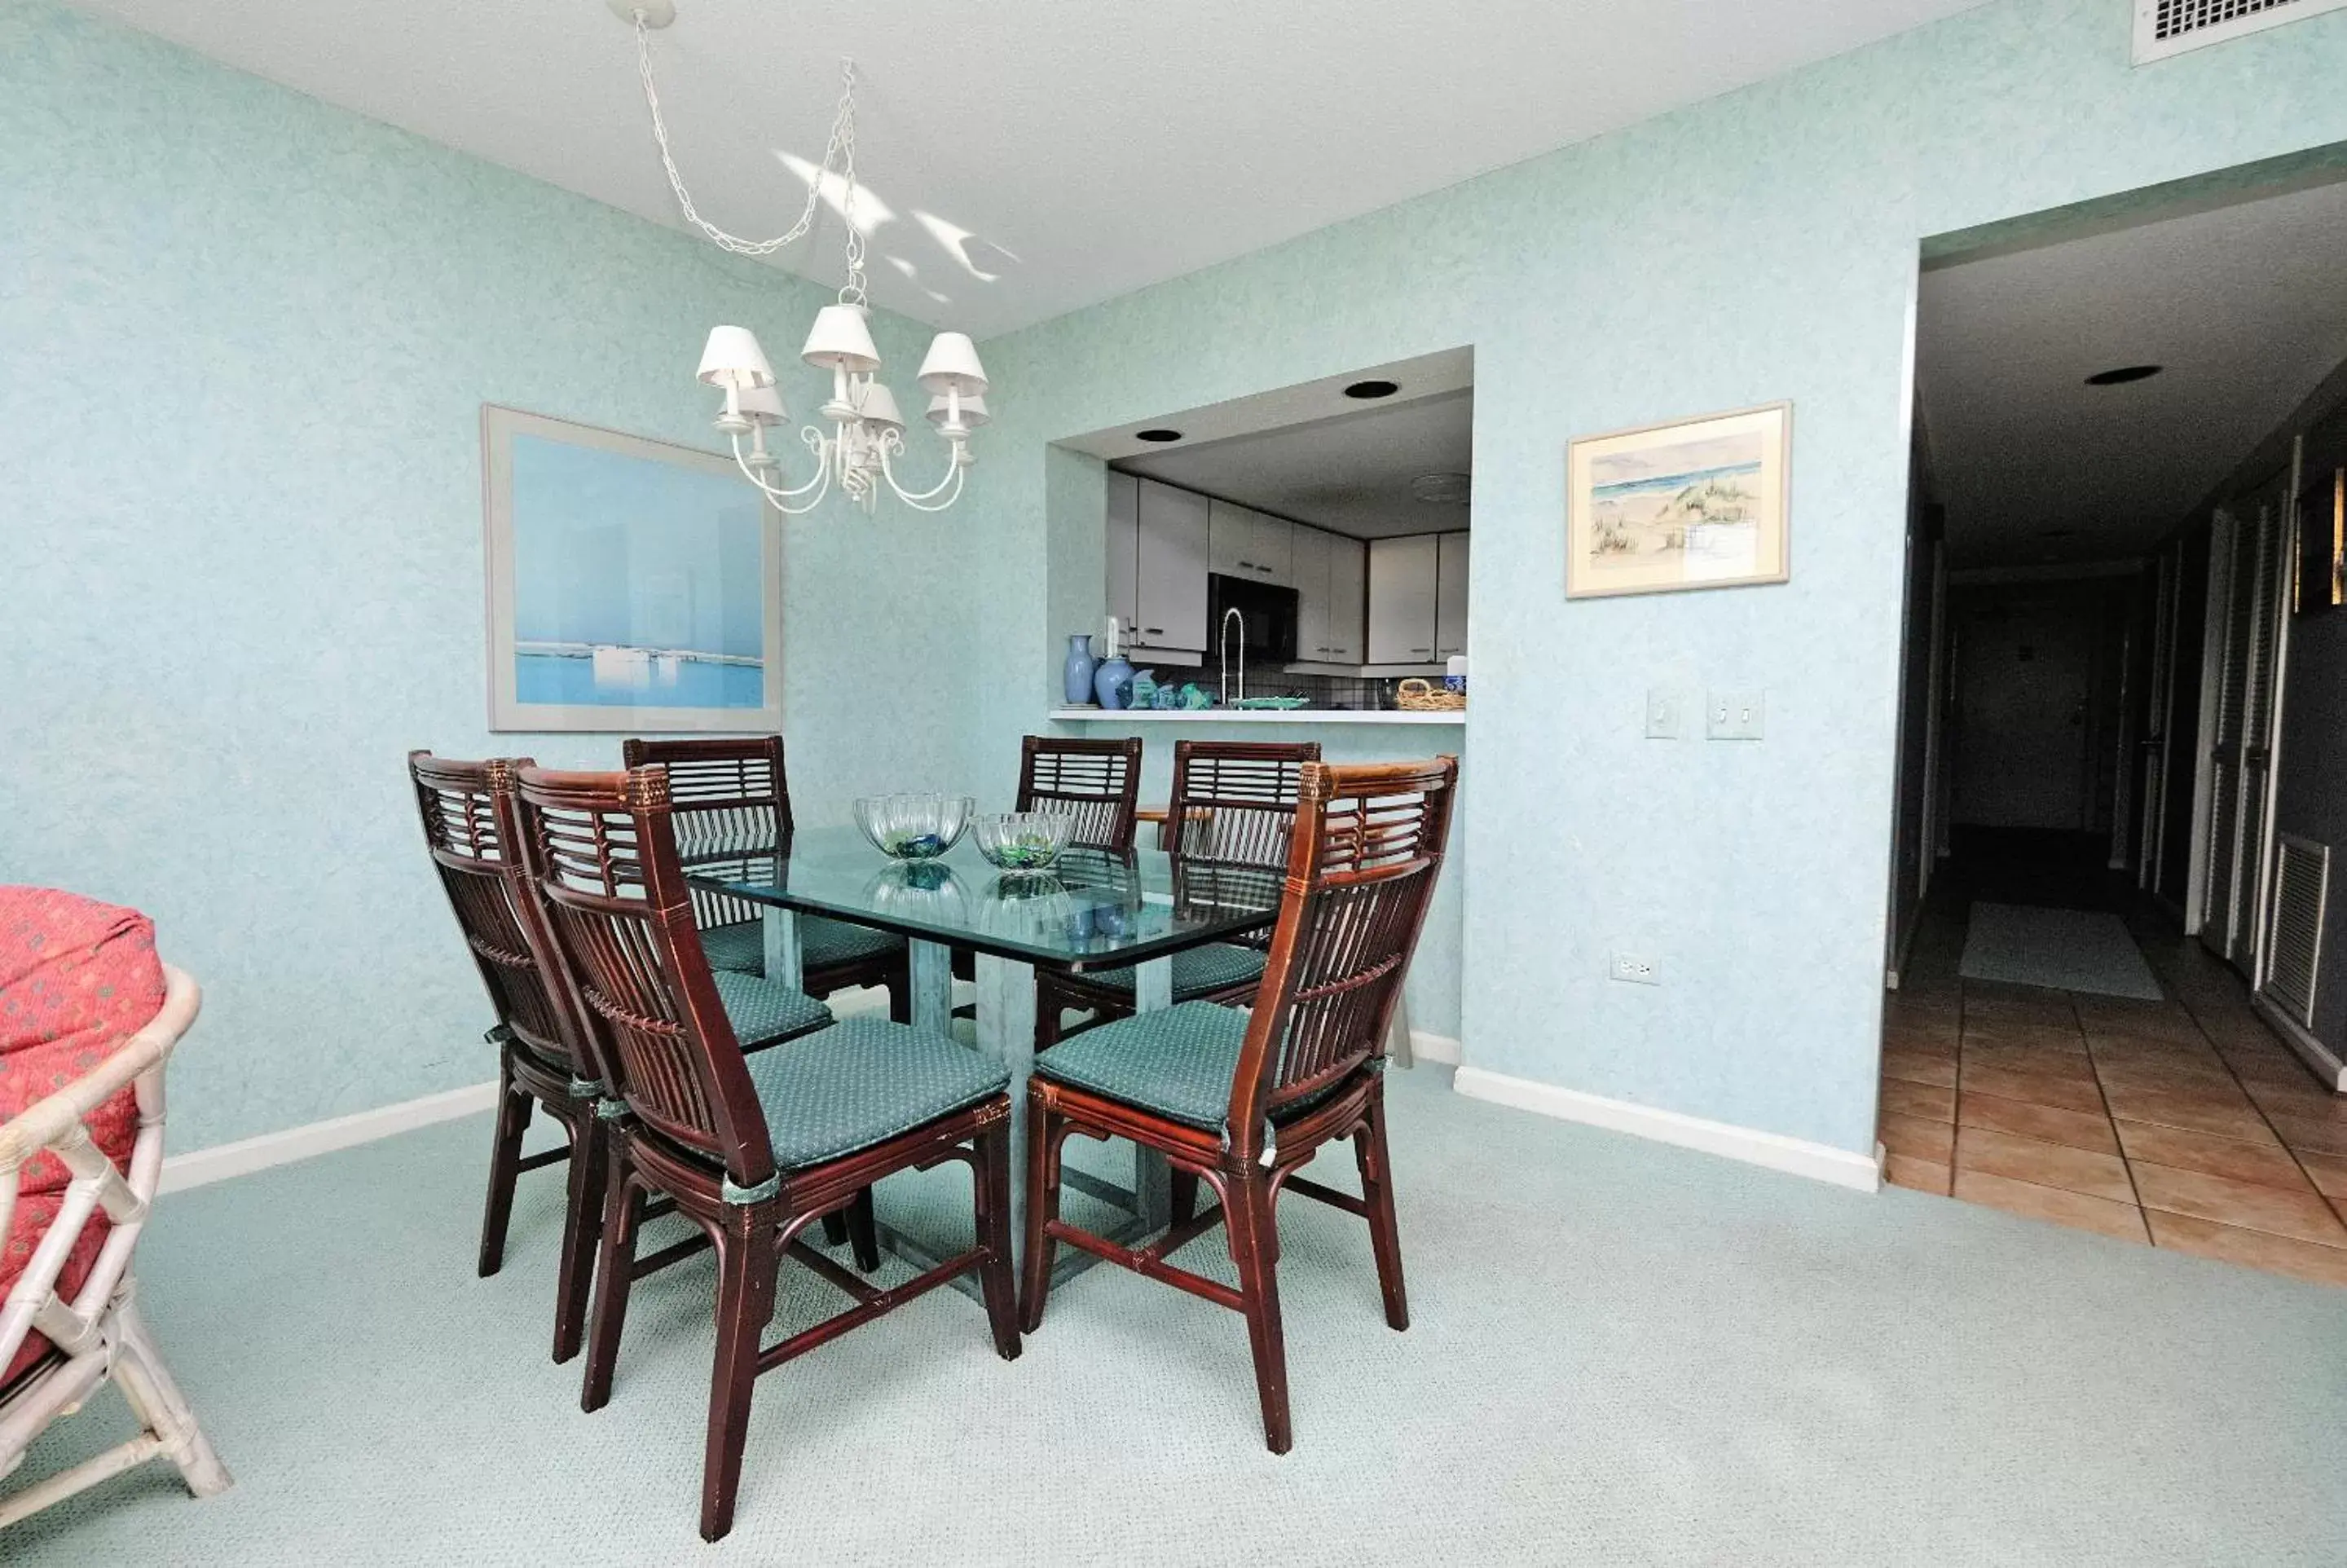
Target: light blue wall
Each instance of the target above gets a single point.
(244, 341)
(1755, 246)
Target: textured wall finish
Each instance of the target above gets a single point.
(245, 340)
(1757, 247)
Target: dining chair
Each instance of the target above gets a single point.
(1232, 802)
(750, 1149)
(1097, 783)
(1243, 1100)
(472, 828)
(732, 794)
(88, 1019)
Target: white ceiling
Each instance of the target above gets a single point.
(1077, 150)
(2245, 305)
(1349, 474)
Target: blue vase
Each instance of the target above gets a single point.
(1111, 681)
(1077, 683)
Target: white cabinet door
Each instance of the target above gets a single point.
(1230, 539)
(1347, 570)
(1124, 549)
(1402, 576)
(1274, 550)
(1172, 575)
(1451, 595)
(1310, 566)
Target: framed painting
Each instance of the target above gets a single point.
(1696, 503)
(632, 584)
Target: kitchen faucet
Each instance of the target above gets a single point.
(1223, 653)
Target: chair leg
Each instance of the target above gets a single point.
(514, 1106)
(992, 1189)
(1377, 1193)
(1042, 1208)
(1254, 1247)
(582, 1224)
(154, 1397)
(745, 1304)
(834, 1228)
(864, 1231)
(900, 991)
(1184, 1194)
(614, 1273)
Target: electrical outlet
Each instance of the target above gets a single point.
(1630, 967)
(1663, 706)
(1734, 715)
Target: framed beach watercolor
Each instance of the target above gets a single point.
(632, 584)
(1697, 503)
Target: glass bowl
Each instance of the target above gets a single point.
(1023, 840)
(913, 826)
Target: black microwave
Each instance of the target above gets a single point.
(1266, 613)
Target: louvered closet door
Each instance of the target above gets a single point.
(2257, 738)
(2154, 746)
(2231, 588)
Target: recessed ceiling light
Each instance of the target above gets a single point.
(1157, 436)
(2124, 373)
(1367, 389)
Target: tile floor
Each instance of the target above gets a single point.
(2183, 1124)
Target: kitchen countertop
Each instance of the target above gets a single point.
(1254, 716)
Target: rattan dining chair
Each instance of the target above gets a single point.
(1242, 1100)
(734, 795)
(1233, 803)
(1096, 784)
(751, 1150)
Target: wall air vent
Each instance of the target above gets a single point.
(2164, 28)
(2301, 883)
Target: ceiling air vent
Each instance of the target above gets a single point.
(2164, 28)
(2301, 883)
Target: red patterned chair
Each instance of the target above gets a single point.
(88, 1017)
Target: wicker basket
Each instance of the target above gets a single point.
(1417, 696)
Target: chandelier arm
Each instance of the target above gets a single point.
(775, 492)
(843, 136)
(919, 502)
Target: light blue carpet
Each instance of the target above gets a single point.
(2060, 950)
(1622, 1353)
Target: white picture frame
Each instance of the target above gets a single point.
(1695, 503)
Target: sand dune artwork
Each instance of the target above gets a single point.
(1697, 503)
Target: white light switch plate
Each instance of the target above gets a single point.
(1734, 715)
(1663, 710)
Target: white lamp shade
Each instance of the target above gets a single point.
(973, 410)
(877, 407)
(761, 405)
(840, 340)
(952, 364)
(732, 358)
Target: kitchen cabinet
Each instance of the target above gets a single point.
(1169, 573)
(1244, 542)
(1124, 549)
(1450, 595)
(1347, 576)
(1309, 558)
(1403, 589)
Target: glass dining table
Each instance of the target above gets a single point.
(1091, 911)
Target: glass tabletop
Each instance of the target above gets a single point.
(1092, 909)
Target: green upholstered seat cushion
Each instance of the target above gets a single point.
(1177, 1061)
(1197, 972)
(765, 1012)
(741, 947)
(862, 1082)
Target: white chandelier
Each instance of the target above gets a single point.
(867, 432)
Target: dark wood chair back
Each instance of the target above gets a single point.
(472, 826)
(725, 796)
(1362, 867)
(1235, 800)
(1097, 782)
(605, 852)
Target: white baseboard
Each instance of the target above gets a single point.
(1440, 1050)
(2317, 1055)
(200, 1167)
(1819, 1162)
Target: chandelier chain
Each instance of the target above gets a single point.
(841, 144)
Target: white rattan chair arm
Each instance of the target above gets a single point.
(50, 1121)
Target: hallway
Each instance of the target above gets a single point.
(2181, 1124)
